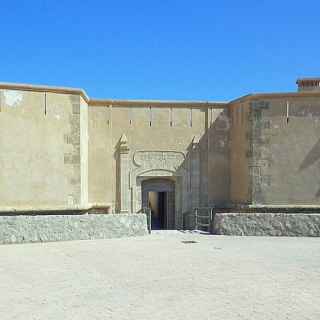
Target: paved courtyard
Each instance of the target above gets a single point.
(162, 276)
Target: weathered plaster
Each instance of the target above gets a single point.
(60, 149)
(12, 98)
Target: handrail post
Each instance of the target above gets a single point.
(148, 213)
(149, 222)
(196, 218)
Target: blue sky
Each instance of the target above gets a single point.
(197, 50)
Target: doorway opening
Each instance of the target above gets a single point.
(158, 204)
(158, 194)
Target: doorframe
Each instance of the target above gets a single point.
(161, 184)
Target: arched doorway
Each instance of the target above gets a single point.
(159, 195)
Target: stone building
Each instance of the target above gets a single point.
(63, 151)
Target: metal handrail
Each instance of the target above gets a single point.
(147, 212)
(197, 217)
(203, 224)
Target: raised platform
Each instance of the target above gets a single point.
(45, 228)
(267, 224)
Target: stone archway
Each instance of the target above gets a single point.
(151, 165)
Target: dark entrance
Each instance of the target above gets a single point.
(158, 195)
(158, 205)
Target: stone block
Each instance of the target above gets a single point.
(268, 224)
(44, 228)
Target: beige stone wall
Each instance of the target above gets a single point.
(58, 152)
(157, 129)
(285, 151)
(39, 150)
(84, 162)
(101, 157)
(218, 133)
(239, 148)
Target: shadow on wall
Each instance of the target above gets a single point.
(218, 158)
(214, 164)
(312, 157)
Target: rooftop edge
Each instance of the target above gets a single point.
(120, 102)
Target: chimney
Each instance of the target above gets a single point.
(308, 84)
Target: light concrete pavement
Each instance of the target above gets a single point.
(162, 277)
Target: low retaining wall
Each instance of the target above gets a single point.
(267, 224)
(43, 228)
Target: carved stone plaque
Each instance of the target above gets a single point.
(170, 160)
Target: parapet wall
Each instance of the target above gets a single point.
(45, 228)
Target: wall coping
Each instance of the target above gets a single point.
(107, 102)
(267, 213)
(155, 103)
(275, 95)
(53, 208)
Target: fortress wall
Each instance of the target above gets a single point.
(239, 148)
(40, 150)
(101, 184)
(58, 153)
(285, 151)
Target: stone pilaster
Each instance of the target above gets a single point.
(195, 173)
(123, 150)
